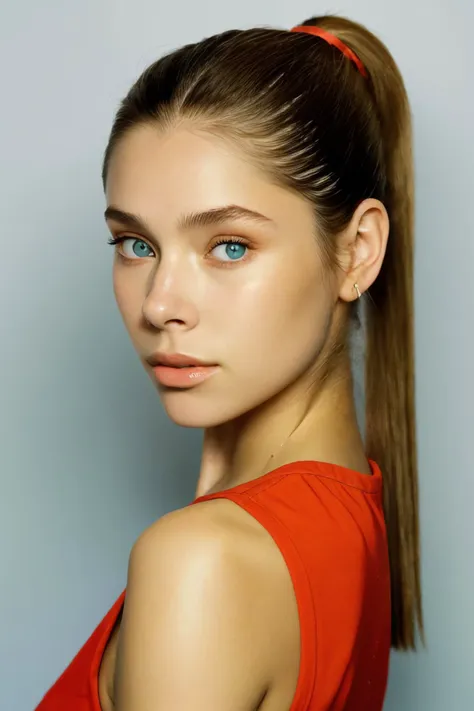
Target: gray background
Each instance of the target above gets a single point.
(87, 456)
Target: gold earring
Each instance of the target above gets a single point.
(356, 287)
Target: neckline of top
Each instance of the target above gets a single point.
(369, 483)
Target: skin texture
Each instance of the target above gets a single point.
(209, 602)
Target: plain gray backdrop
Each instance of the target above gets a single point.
(88, 458)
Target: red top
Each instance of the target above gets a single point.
(328, 523)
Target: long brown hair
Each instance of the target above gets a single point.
(309, 119)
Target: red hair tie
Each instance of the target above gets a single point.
(335, 41)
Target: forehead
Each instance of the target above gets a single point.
(179, 157)
(156, 172)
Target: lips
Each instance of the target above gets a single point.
(176, 360)
(184, 376)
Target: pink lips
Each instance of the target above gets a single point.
(176, 370)
(186, 377)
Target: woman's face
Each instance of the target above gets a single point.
(258, 309)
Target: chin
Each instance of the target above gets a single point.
(188, 408)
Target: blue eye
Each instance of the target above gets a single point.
(138, 249)
(234, 249)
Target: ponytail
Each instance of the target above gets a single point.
(390, 436)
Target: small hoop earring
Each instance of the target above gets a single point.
(356, 287)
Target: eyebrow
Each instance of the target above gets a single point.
(214, 216)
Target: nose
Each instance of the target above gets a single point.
(168, 303)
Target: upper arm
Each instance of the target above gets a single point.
(189, 638)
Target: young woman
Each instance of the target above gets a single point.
(259, 187)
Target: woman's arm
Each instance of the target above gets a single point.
(190, 636)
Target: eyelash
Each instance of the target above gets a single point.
(223, 240)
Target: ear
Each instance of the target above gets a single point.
(362, 246)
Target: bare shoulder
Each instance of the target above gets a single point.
(217, 528)
(201, 605)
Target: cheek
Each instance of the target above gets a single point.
(272, 337)
(127, 295)
(283, 323)
(288, 303)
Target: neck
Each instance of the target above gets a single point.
(317, 423)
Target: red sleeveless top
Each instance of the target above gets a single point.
(328, 523)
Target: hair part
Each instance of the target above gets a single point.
(307, 118)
